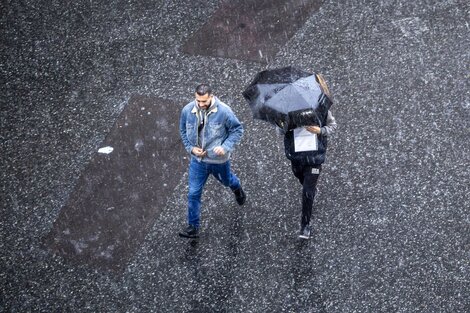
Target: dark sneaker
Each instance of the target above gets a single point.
(305, 232)
(240, 196)
(189, 232)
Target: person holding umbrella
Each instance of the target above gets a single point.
(299, 104)
(209, 131)
(306, 165)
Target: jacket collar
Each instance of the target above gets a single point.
(212, 108)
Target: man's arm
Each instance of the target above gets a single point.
(184, 138)
(235, 132)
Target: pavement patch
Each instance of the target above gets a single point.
(124, 188)
(250, 30)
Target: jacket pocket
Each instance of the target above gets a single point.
(216, 130)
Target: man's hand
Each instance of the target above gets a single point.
(219, 150)
(198, 152)
(313, 129)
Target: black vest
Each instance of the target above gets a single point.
(309, 158)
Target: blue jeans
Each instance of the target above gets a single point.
(198, 174)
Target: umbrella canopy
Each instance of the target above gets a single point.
(287, 97)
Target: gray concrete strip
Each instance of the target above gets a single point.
(250, 30)
(122, 190)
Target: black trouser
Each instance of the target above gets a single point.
(308, 177)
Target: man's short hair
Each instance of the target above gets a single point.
(202, 89)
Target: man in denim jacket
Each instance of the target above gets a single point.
(209, 130)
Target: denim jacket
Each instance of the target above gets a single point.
(221, 128)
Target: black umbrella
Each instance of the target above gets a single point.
(288, 97)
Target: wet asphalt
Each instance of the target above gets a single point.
(83, 231)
